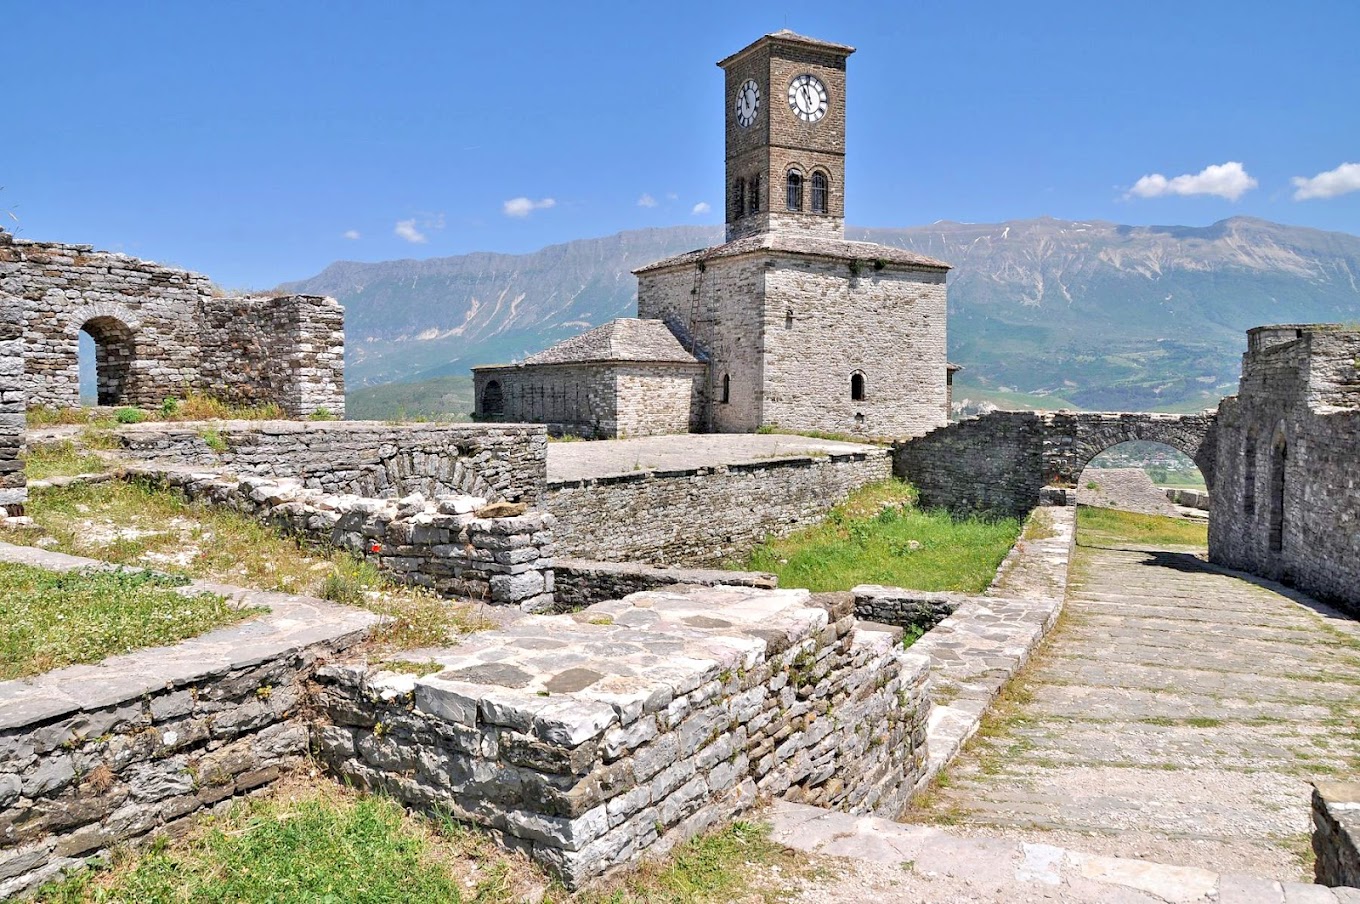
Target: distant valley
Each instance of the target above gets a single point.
(1043, 312)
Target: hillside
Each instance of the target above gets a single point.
(1096, 314)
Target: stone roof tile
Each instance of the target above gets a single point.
(802, 244)
(625, 339)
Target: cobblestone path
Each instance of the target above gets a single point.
(1176, 714)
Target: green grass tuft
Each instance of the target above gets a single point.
(61, 460)
(877, 536)
(50, 619)
(1105, 525)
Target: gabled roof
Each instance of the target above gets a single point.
(805, 245)
(625, 339)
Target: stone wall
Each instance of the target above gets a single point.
(702, 516)
(1286, 504)
(600, 400)
(579, 583)
(453, 545)
(160, 331)
(999, 463)
(919, 610)
(672, 712)
(12, 488)
(500, 462)
(93, 757)
(1336, 833)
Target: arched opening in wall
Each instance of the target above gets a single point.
(726, 389)
(493, 399)
(105, 352)
(857, 387)
(1279, 454)
(1145, 478)
(794, 190)
(819, 192)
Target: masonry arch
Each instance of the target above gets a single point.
(1138, 476)
(493, 399)
(1072, 440)
(114, 347)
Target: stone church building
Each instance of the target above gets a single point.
(787, 324)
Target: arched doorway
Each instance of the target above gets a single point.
(493, 400)
(1145, 477)
(106, 352)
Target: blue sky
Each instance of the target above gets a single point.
(247, 140)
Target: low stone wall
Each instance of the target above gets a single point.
(703, 516)
(96, 756)
(579, 583)
(12, 490)
(502, 462)
(588, 740)
(441, 544)
(901, 608)
(1195, 499)
(1336, 833)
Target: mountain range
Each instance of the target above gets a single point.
(1043, 312)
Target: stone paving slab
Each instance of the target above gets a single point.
(891, 862)
(610, 458)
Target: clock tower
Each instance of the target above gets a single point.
(785, 99)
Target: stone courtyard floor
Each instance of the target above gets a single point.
(611, 457)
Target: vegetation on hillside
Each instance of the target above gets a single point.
(49, 619)
(318, 843)
(878, 536)
(439, 399)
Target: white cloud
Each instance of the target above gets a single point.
(701, 208)
(406, 229)
(646, 200)
(351, 234)
(672, 196)
(1225, 180)
(1342, 180)
(522, 207)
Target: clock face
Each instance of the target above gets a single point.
(807, 98)
(748, 102)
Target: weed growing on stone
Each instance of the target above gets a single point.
(49, 620)
(878, 536)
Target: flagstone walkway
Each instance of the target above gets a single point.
(1176, 714)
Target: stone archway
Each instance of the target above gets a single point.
(1072, 439)
(115, 351)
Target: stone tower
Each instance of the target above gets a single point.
(786, 136)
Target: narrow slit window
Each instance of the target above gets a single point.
(726, 389)
(754, 195)
(857, 387)
(819, 193)
(739, 196)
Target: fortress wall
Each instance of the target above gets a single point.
(986, 465)
(452, 545)
(161, 331)
(96, 757)
(364, 458)
(677, 711)
(13, 493)
(703, 516)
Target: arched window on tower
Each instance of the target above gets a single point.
(857, 387)
(755, 193)
(819, 192)
(726, 389)
(739, 197)
(795, 190)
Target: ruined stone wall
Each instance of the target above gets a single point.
(451, 545)
(987, 465)
(825, 321)
(673, 713)
(1286, 502)
(702, 516)
(161, 331)
(501, 462)
(1336, 833)
(12, 486)
(94, 757)
(578, 583)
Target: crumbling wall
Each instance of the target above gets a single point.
(1336, 833)
(161, 331)
(589, 740)
(12, 487)
(500, 462)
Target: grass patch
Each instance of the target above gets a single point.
(61, 460)
(878, 536)
(193, 406)
(51, 619)
(775, 429)
(130, 523)
(1153, 530)
(314, 844)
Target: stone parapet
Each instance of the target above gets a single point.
(503, 462)
(457, 546)
(13, 492)
(95, 756)
(579, 582)
(588, 740)
(917, 609)
(1336, 833)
